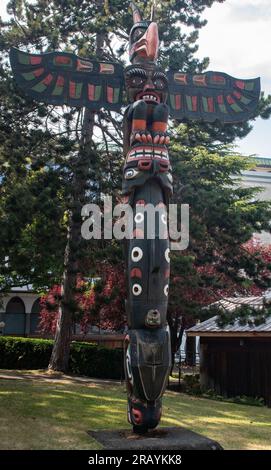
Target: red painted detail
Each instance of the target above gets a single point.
(72, 89)
(60, 81)
(148, 91)
(167, 273)
(138, 233)
(136, 272)
(110, 94)
(230, 99)
(147, 45)
(35, 60)
(194, 103)
(137, 416)
(178, 101)
(218, 79)
(106, 68)
(144, 165)
(38, 72)
(220, 99)
(237, 94)
(47, 80)
(180, 78)
(140, 202)
(199, 80)
(164, 166)
(84, 65)
(240, 84)
(60, 60)
(91, 92)
(210, 102)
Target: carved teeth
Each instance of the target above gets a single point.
(149, 97)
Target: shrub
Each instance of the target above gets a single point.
(85, 359)
(192, 384)
(96, 361)
(241, 400)
(24, 353)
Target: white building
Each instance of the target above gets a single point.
(260, 176)
(19, 311)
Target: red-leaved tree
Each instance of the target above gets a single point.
(98, 302)
(101, 302)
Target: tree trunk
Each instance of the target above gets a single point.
(59, 360)
(60, 355)
(190, 351)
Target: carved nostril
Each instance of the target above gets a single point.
(149, 86)
(153, 318)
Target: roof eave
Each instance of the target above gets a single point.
(230, 334)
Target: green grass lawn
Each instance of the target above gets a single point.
(40, 414)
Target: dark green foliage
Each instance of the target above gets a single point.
(93, 361)
(192, 384)
(24, 353)
(241, 400)
(244, 315)
(85, 359)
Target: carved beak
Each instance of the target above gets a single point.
(147, 46)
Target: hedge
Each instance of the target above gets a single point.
(85, 359)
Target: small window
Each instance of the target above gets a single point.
(15, 305)
(36, 306)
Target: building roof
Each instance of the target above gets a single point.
(261, 161)
(211, 328)
(23, 289)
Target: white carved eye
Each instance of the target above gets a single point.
(139, 217)
(166, 290)
(167, 255)
(137, 289)
(137, 254)
(164, 218)
(130, 174)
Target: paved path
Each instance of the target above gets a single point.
(51, 377)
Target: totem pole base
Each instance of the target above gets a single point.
(175, 438)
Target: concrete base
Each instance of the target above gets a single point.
(176, 438)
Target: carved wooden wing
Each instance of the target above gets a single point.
(212, 96)
(63, 78)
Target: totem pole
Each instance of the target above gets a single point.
(63, 78)
(147, 180)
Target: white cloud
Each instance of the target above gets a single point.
(239, 48)
(3, 13)
(237, 40)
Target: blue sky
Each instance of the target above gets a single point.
(237, 40)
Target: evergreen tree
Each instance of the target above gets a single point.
(51, 165)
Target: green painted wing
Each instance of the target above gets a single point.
(212, 96)
(63, 78)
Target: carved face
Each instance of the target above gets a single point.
(146, 83)
(144, 42)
